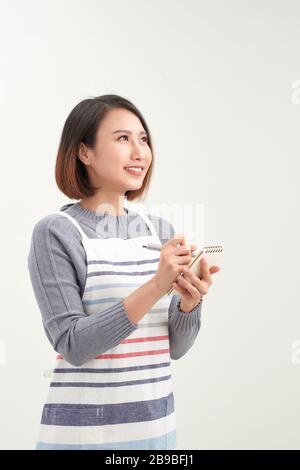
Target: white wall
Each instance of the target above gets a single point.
(215, 81)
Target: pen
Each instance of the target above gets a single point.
(153, 246)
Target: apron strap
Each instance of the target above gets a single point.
(83, 235)
(148, 222)
(74, 222)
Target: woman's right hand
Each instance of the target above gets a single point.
(173, 261)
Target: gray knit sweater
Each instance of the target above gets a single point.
(57, 267)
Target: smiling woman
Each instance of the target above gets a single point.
(103, 297)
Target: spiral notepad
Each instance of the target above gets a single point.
(212, 255)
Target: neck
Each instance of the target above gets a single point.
(105, 202)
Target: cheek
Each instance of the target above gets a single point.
(149, 162)
(110, 167)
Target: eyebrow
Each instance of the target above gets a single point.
(128, 132)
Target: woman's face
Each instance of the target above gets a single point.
(114, 151)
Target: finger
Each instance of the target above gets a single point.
(182, 250)
(178, 239)
(195, 281)
(214, 269)
(178, 288)
(188, 286)
(183, 259)
(205, 273)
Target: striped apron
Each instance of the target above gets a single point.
(123, 398)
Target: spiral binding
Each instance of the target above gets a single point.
(212, 248)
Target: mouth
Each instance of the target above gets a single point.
(134, 170)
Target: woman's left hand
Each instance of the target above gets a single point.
(191, 288)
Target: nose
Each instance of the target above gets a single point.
(140, 153)
(139, 161)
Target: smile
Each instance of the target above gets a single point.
(134, 170)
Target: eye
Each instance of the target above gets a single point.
(125, 135)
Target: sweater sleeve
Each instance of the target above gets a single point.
(74, 334)
(183, 327)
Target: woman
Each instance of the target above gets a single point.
(102, 295)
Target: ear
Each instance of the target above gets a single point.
(83, 154)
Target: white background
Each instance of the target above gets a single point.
(214, 80)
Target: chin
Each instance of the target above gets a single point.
(135, 185)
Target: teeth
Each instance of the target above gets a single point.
(134, 169)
